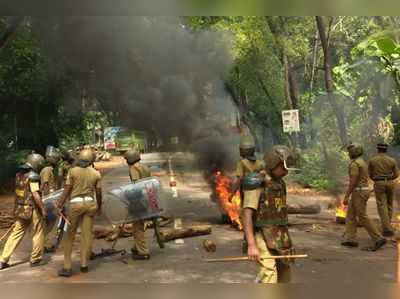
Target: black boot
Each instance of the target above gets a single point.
(4, 265)
(65, 272)
(137, 256)
(85, 269)
(349, 244)
(378, 244)
(388, 233)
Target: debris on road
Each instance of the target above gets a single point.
(209, 246)
(304, 209)
(186, 232)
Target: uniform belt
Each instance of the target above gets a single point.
(24, 204)
(361, 189)
(383, 179)
(81, 199)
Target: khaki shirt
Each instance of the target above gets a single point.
(47, 176)
(382, 166)
(245, 166)
(359, 168)
(138, 171)
(84, 181)
(252, 199)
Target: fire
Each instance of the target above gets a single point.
(341, 212)
(228, 202)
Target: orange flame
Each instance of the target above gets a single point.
(341, 211)
(229, 202)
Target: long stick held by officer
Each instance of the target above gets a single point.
(266, 217)
(83, 188)
(28, 211)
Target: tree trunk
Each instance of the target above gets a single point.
(12, 28)
(329, 81)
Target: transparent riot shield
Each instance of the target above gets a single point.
(135, 201)
(50, 202)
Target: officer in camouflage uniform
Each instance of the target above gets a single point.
(28, 210)
(81, 187)
(247, 164)
(137, 171)
(383, 171)
(266, 217)
(357, 204)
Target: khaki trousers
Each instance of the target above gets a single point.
(271, 271)
(357, 209)
(18, 232)
(139, 241)
(384, 193)
(80, 214)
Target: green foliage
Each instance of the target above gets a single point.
(320, 172)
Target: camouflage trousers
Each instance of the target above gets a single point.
(17, 234)
(271, 271)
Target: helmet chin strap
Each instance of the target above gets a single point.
(289, 168)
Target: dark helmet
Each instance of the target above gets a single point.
(68, 155)
(35, 162)
(279, 154)
(355, 150)
(247, 146)
(132, 156)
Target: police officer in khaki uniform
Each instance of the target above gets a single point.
(247, 164)
(28, 210)
(357, 204)
(64, 167)
(383, 171)
(137, 171)
(82, 187)
(49, 184)
(48, 175)
(266, 218)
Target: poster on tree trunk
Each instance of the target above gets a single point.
(290, 121)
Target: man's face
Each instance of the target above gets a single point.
(280, 171)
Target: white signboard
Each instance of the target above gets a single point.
(290, 120)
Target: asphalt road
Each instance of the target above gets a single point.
(328, 262)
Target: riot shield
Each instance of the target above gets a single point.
(50, 202)
(135, 201)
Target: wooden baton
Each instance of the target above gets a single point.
(246, 258)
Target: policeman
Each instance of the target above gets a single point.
(266, 218)
(383, 171)
(28, 210)
(247, 164)
(81, 187)
(357, 204)
(137, 171)
(64, 167)
(48, 177)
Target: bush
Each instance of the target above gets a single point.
(324, 172)
(8, 166)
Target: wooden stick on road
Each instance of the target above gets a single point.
(246, 258)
